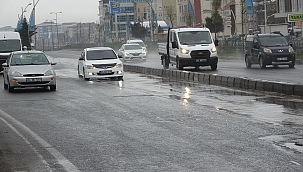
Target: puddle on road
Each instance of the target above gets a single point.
(272, 109)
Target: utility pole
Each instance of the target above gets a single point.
(265, 18)
(56, 26)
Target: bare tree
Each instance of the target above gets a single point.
(171, 14)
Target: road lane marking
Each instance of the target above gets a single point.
(66, 164)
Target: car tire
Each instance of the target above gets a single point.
(10, 89)
(261, 63)
(86, 79)
(5, 86)
(79, 72)
(213, 66)
(179, 65)
(247, 62)
(165, 63)
(52, 87)
(292, 65)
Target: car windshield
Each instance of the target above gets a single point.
(132, 47)
(100, 55)
(194, 37)
(9, 45)
(140, 43)
(29, 59)
(270, 41)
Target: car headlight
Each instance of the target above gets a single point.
(267, 50)
(291, 50)
(118, 65)
(144, 53)
(16, 73)
(184, 51)
(126, 53)
(214, 49)
(90, 67)
(49, 72)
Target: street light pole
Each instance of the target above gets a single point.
(35, 17)
(265, 18)
(56, 26)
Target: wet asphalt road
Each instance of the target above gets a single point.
(147, 124)
(235, 66)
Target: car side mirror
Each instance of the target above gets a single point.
(80, 58)
(174, 44)
(4, 65)
(53, 63)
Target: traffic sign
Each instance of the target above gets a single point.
(114, 7)
(295, 17)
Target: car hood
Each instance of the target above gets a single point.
(134, 51)
(31, 69)
(198, 46)
(109, 61)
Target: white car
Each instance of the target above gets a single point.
(28, 69)
(100, 62)
(132, 52)
(137, 41)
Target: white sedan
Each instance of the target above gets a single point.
(100, 62)
(132, 52)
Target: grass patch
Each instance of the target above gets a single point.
(299, 56)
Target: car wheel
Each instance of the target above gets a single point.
(79, 72)
(247, 62)
(4, 84)
(84, 76)
(213, 66)
(120, 78)
(52, 87)
(261, 63)
(292, 65)
(165, 63)
(10, 89)
(179, 65)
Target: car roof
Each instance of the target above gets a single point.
(28, 51)
(267, 35)
(132, 44)
(134, 40)
(98, 48)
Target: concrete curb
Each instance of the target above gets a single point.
(227, 81)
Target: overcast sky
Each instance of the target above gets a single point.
(72, 11)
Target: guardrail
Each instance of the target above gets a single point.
(227, 81)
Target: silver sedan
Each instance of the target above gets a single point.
(28, 69)
(130, 52)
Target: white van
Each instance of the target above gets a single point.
(137, 41)
(9, 42)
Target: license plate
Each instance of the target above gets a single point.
(282, 58)
(105, 71)
(200, 60)
(33, 79)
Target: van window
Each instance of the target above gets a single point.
(9, 46)
(195, 37)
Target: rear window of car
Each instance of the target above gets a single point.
(100, 55)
